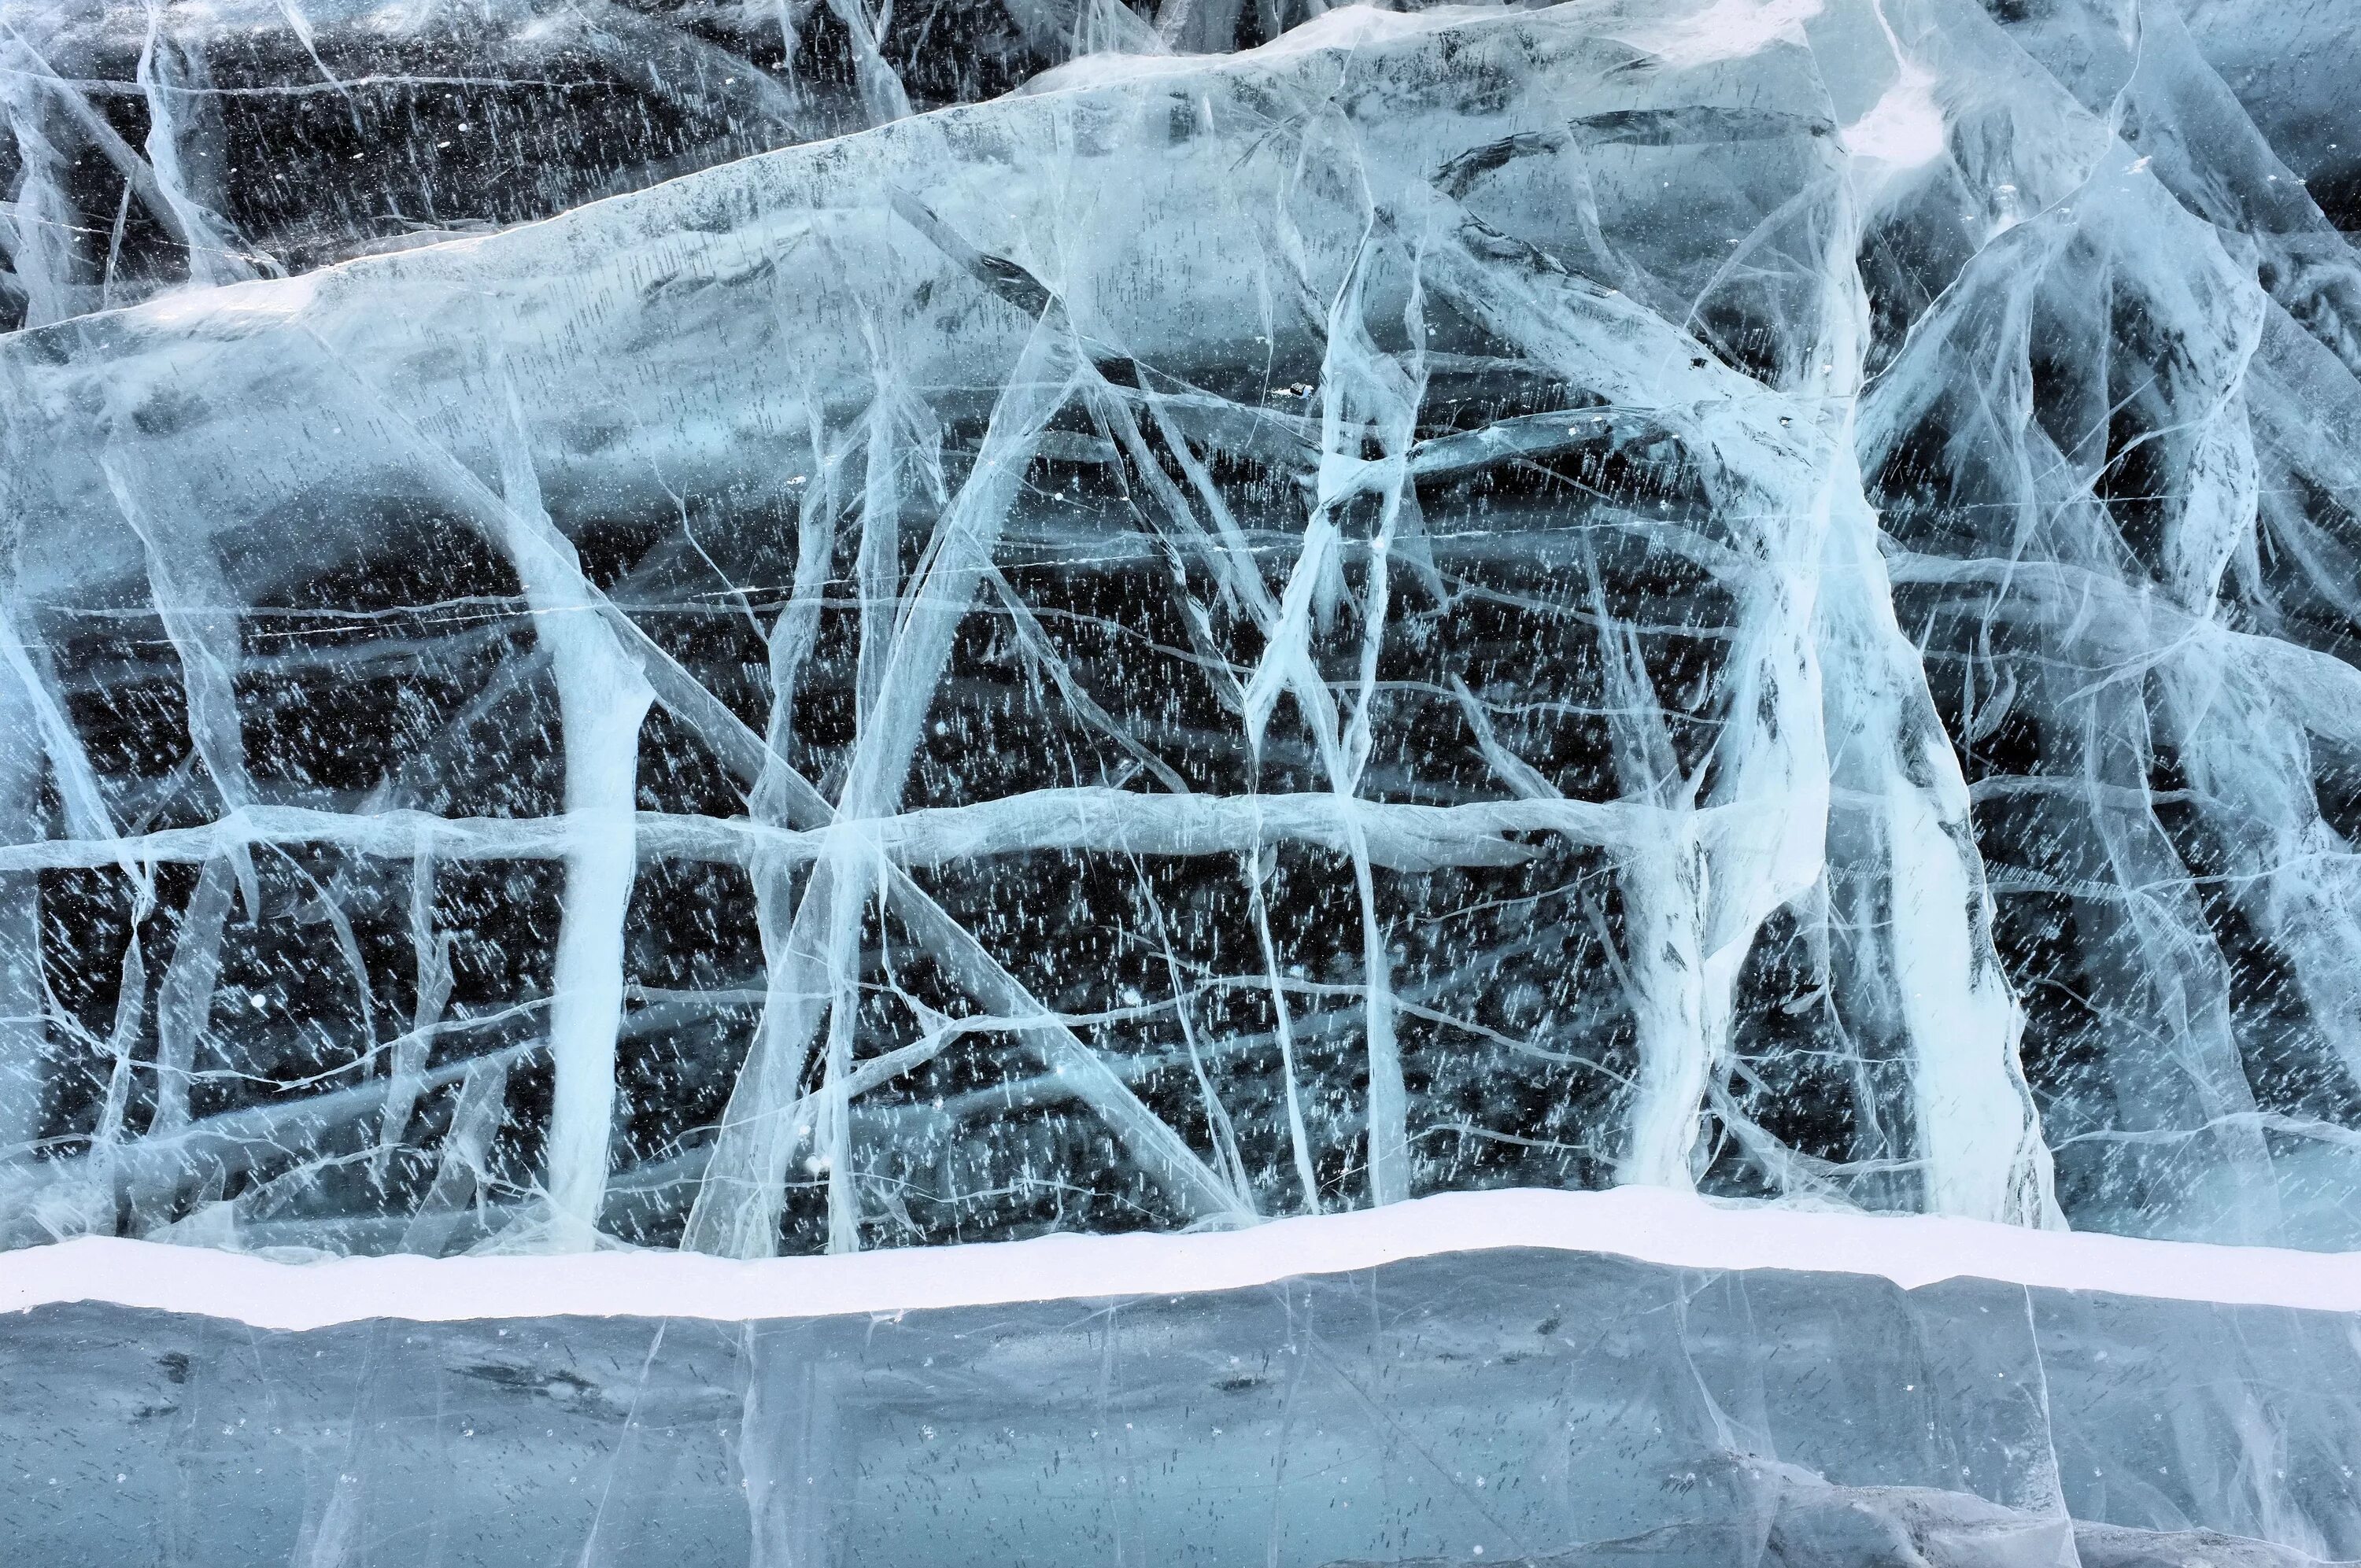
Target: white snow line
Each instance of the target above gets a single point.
(1654, 1225)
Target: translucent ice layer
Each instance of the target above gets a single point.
(1752, 597)
(1523, 1405)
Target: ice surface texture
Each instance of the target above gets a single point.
(1753, 596)
(1544, 1406)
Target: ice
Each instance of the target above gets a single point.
(920, 781)
(800, 628)
(1773, 1388)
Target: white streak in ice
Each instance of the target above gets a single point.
(1652, 1224)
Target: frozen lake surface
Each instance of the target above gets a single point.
(1535, 1401)
(1154, 782)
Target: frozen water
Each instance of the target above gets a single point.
(1542, 1404)
(1063, 618)
(668, 640)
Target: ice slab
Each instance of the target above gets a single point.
(1541, 1403)
(825, 784)
(1746, 598)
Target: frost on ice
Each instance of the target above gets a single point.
(1047, 621)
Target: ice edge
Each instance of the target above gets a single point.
(1653, 1225)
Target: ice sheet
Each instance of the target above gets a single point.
(1145, 633)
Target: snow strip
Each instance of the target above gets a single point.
(1650, 1224)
